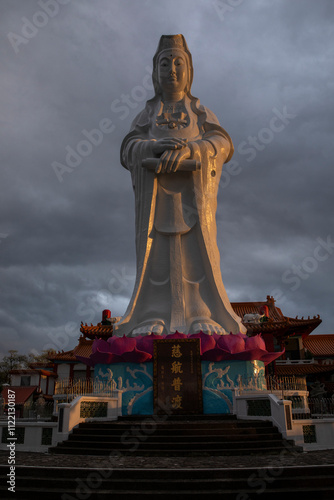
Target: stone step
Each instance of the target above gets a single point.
(186, 474)
(193, 416)
(176, 432)
(234, 424)
(172, 452)
(176, 418)
(158, 437)
(318, 493)
(173, 484)
(307, 482)
(177, 438)
(177, 445)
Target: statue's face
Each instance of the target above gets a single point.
(172, 71)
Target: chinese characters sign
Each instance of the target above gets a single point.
(177, 375)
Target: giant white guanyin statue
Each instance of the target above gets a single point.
(175, 152)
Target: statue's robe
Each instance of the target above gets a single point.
(178, 281)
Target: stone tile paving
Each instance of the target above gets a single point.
(288, 457)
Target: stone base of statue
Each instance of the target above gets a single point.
(180, 374)
(219, 379)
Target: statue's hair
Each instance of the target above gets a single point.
(172, 42)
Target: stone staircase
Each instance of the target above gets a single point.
(61, 483)
(174, 437)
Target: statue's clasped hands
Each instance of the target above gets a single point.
(173, 152)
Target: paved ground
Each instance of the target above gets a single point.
(286, 458)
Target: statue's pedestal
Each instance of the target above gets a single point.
(184, 374)
(219, 379)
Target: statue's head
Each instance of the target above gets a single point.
(172, 45)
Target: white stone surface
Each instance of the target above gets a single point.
(178, 284)
(32, 435)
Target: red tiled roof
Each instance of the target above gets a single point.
(277, 324)
(97, 331)
(21, 394)
(64, 356)
(320, 345)
(84, 348)
(286, 328)
(301, 369)
(329, 386)
(242, 308)
(32, 371)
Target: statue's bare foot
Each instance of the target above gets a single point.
(207, 326)
(154, 326)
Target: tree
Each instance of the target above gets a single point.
(14, 361)
(43, 357)
(10, 362)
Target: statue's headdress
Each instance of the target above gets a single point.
(172, 42)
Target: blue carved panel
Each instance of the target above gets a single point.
(219, 379)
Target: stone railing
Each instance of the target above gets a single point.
(297, 420)
(87, 408)
(81, 387)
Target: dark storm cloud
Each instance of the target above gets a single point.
(67, 248)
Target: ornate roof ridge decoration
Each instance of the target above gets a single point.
(64, 356)
(83, 340)
(99, 325)
(96, 331)
(276, 322)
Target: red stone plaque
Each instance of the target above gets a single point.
(177, 376)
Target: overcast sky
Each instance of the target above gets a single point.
(67, 251)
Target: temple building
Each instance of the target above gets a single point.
(276, 329)
(311, 357)
(66, 364)
(30, 384)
